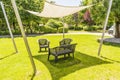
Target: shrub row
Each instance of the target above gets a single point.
(86, 28)
(42, 29)
(4, 32)
(48, 29)
(60, 30)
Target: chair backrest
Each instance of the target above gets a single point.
(43, 41)
(65, 41)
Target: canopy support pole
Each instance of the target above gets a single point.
(8, 25)
(63, 28)
(24, 36)
(105, 25)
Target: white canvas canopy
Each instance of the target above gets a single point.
(58, 11)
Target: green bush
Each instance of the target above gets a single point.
(80, 27)
(4, 32)
(89, 28)
(1, 32)
(60, 30)
(16, 32)
(49, 30)
(54, 23)
(42, 28)
(98, 27)
(71, 27)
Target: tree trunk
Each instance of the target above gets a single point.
(76, 19)
(31, 31)
(117, 30)
(14, 27)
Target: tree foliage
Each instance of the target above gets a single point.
(31, 22)
(54, 23)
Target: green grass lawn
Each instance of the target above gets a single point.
(85, 66)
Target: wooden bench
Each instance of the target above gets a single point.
(62, 50)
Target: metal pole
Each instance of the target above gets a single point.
(105, 25)
(8, 25)
(63, 32)
(23, 34)
(63, 28)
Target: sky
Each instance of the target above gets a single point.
(67, 2)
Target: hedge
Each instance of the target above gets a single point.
(49, 30)
(60, 30)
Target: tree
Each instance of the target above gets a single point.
(98, 13)
(116, 12)
(54, 24)
(87, 14)
(29, 20)
(75, 15)
(114, 15)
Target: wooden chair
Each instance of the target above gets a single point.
(43, 43)
(65, 41)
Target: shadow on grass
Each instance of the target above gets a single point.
(109, 59)
(32, 76)
(19, 35)
(8, 56)
(111, 44)
(69, 65)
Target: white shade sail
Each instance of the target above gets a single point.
(57, 11)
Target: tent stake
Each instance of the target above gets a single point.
(105, 26)
(23, 34)
(8, 25)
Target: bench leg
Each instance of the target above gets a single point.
(48, 56)
(56, 58)
(40, 49)
(64, 56)
(69, 54)
(73, 55)
(45, 49)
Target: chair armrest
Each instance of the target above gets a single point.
(53, 50)
(48, 43)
